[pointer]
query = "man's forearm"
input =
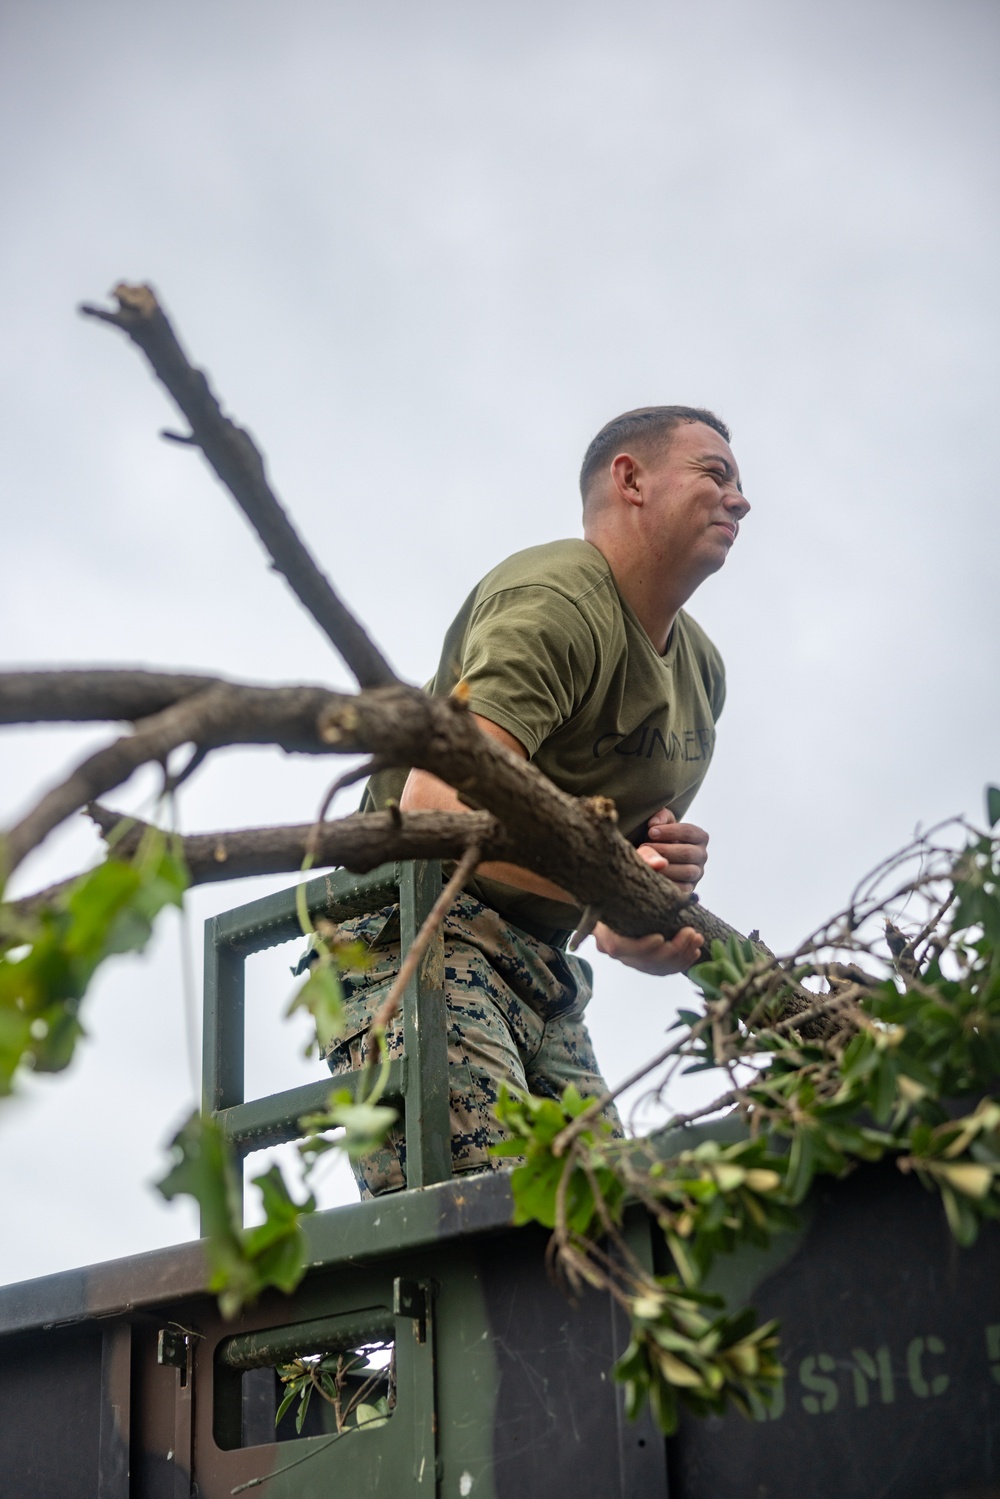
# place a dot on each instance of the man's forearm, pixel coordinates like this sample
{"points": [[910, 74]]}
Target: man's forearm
{"points": [[425, 793]]}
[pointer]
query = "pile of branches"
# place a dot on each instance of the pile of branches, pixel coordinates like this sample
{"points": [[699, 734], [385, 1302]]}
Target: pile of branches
{"points": [[896, 1058]]}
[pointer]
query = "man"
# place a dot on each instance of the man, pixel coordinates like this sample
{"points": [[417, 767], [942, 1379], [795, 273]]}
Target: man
{"points": [[577, 655]]}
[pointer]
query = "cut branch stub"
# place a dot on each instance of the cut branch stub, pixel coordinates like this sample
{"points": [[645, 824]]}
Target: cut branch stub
{"points": [[234, 456]]}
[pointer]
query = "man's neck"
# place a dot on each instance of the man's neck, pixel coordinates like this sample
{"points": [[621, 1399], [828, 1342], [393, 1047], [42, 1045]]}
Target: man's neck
{"points": [[654, 599]]}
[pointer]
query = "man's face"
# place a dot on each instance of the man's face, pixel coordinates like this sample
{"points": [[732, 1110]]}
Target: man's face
{"points": [[693, 499]]}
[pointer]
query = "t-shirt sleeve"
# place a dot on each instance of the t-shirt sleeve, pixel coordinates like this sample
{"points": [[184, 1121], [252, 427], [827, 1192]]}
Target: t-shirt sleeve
{"points": [[717, 686], [528, 660]]}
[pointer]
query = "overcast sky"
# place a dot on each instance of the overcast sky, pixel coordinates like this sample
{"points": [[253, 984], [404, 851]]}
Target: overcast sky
{"points": [[425, 251]]}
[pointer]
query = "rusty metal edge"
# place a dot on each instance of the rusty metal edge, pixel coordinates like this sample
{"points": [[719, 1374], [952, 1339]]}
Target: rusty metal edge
{"points": [[363, 1231]]}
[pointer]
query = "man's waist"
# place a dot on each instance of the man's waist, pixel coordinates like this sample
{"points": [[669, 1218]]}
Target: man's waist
{"points": [[549, 921]]}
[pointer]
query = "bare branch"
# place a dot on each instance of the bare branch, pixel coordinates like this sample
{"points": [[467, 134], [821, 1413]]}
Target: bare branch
{"points": [[220, 715], [232, 453], [349, 778], [387, 1010], [724, 1101], [576, 1126], [575, 843], [93, 695], [359, 842]]}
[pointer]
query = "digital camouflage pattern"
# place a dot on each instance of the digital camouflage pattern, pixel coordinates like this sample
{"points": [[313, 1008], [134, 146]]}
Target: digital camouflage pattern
{"points": [[515, 1016]]}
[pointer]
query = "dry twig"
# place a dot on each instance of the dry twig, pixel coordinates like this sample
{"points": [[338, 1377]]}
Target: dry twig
{"points": [[389, 1007]]}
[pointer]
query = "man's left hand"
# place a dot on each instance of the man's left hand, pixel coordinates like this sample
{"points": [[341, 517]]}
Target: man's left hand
{"points": [[655, 955]]}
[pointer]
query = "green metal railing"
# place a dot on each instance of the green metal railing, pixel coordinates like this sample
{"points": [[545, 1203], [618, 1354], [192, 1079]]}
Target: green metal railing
{"points": [[418, 1081]]}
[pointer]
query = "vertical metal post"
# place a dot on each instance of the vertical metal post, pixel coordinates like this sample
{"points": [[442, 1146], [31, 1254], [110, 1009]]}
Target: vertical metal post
{"points": [[114, 1437], [425, 1034], [222, 1077], [222, 1042], [183, 1424]]}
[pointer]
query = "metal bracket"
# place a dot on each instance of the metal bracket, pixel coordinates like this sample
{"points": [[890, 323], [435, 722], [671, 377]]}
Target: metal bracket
{"points": [[172, 1348], [410, 1299]]}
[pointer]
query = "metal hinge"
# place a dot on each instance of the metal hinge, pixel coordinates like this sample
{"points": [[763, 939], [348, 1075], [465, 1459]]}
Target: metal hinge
{"points": [[172, 1349], [410, 1299]]}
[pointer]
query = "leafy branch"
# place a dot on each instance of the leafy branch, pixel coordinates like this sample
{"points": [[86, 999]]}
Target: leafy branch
{"points": [[48, 956], [241, 1261], [343, 1381], [902, 1067]]}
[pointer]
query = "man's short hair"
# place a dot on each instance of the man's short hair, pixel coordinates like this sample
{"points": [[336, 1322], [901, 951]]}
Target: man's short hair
{"points": [[650, 426]]}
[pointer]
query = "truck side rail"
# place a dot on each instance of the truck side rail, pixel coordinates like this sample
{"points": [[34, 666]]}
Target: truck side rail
{"points": [[418, 1081]]}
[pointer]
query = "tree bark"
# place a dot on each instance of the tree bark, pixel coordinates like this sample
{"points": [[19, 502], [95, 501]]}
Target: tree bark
{"points": [[237, 461], [359, 843], [572, 842], [93, 695]]}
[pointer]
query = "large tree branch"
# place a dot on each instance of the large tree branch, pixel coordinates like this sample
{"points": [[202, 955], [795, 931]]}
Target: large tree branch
{"points": [[237, 461], [220, 715], [572, 842], [359, 842]]}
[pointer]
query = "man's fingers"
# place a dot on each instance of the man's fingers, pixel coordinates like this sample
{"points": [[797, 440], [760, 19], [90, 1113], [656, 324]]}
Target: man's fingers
{"points": [[653, 857], [652, 954], [688, 945], [659, 855], [684, 847], [684, 864], [614, 944], [677, 832], [682, 853]]}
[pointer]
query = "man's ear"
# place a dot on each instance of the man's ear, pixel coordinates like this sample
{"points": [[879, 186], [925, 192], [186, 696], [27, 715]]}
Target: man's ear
{"points": [[625, 471]]}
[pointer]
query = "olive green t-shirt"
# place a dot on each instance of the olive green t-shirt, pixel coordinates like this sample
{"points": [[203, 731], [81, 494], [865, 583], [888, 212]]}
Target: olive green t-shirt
{"points": [[550, 651]]}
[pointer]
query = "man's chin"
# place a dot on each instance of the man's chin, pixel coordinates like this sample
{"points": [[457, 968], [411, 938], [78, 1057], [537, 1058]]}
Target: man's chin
{"points": [[717, 558]]}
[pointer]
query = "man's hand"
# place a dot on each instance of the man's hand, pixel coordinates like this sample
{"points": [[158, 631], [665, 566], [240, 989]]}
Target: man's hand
{"points": [[681, 858], [683, 846]]}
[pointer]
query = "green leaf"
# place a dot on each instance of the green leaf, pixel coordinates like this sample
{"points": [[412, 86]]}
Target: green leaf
{"points": [[993, 805], [242, 1262], [109, 910], [365, 1126], [286, 1401], [369, 1416], [300, 1415], [323, 997]]}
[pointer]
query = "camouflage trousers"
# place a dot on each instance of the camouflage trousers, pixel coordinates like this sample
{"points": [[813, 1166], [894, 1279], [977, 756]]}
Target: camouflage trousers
{"points": [[515, 1016]]}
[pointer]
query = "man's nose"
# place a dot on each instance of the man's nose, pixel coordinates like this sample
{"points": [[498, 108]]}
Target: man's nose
{"points": [[736, 503]]}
